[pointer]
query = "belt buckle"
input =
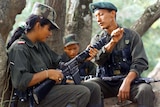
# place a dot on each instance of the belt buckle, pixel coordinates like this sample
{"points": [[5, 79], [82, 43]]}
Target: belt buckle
{"points": [[116, 72]]}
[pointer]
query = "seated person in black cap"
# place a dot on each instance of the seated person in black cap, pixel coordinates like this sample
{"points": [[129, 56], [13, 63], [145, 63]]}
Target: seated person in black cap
{"points": [[123, 55], [71, 49]]}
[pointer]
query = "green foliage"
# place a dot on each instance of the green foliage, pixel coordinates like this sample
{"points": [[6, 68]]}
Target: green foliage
{"points": [[128, 12]]}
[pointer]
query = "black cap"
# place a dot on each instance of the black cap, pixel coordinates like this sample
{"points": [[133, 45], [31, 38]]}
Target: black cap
{"points": [[102, 5]]}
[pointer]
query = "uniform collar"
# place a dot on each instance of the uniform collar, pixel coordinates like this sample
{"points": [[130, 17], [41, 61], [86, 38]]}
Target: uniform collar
{"points": [[29, 42], [66, 57]]}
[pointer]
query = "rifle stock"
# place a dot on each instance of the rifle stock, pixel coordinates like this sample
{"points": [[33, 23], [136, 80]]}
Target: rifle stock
{"points": [[42, 90]]}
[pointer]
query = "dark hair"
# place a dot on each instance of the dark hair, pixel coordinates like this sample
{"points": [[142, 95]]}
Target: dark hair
{"points": [[110, 10], [30, 23]]}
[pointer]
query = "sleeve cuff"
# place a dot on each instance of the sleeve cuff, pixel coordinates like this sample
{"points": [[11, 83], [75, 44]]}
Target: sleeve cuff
{"points": [[134, 70], [26, 78]]}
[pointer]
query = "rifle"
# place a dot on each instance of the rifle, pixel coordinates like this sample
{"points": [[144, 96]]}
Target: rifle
{"points": [[136, 81], [68, 68], [113, 78], [145, 80]]}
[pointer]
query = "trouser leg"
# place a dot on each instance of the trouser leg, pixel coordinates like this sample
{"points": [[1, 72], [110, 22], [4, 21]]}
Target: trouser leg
{"points": [[107, 90], [142, 94], [67, 96], [87, 94], [95, 99]]}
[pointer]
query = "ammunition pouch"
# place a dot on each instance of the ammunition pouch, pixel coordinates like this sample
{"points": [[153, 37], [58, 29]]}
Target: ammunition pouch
{"points": [[22, 96], [119, 63]]}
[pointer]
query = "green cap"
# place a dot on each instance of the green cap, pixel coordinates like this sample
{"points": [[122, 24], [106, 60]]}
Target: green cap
{"points": [[102, 5], [70, 39], [45, 11]]}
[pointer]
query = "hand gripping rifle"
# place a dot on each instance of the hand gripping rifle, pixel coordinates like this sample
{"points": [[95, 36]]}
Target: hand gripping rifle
{"points": [[68, 68]]}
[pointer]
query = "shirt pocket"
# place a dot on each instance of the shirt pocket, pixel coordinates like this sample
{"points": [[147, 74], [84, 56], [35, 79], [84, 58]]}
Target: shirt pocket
{"points": [[39, 67]]}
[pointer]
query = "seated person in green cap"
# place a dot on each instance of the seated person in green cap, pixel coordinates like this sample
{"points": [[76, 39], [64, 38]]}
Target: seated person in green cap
{"points": [[32, 62], [123, 55], [71, 49]]}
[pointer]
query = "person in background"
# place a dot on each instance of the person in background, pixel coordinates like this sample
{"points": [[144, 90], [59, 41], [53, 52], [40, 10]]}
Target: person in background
{"points": [[72, 49], [123, 55], [32, 62]]}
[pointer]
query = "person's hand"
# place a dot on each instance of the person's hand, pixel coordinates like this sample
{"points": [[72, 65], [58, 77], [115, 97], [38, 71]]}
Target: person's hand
{"points": [[117, 34], [69, 81], [92, 53], [55, 75], [124, 91]]}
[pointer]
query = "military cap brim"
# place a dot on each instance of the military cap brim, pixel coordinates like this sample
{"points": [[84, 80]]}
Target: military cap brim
{"points": [[71, 43], [54, 25], [102, 5]]}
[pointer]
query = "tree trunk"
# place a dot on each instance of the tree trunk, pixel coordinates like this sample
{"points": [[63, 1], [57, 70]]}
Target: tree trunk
{"points": [[8, 11], [55, 41], [3, 64], [151, 14], [79, 21]]}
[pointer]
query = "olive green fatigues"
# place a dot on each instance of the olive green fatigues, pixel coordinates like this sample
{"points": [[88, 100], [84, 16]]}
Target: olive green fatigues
{"points": [[27, 58], [140, 93]]}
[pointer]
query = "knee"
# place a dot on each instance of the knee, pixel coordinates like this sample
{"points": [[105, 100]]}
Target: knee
{"points": [[85, 92], [79, 97], [146, 89], [86, 95], [92, 86], [145, 95]]}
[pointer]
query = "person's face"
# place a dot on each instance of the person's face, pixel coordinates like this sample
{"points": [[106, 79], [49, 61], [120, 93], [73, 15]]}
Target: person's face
{"points": [[105, 18], [72, 50], [44, 32]]}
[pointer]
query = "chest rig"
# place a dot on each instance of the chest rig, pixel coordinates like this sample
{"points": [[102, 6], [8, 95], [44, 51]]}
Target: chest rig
{"points": [[119, 61]]}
